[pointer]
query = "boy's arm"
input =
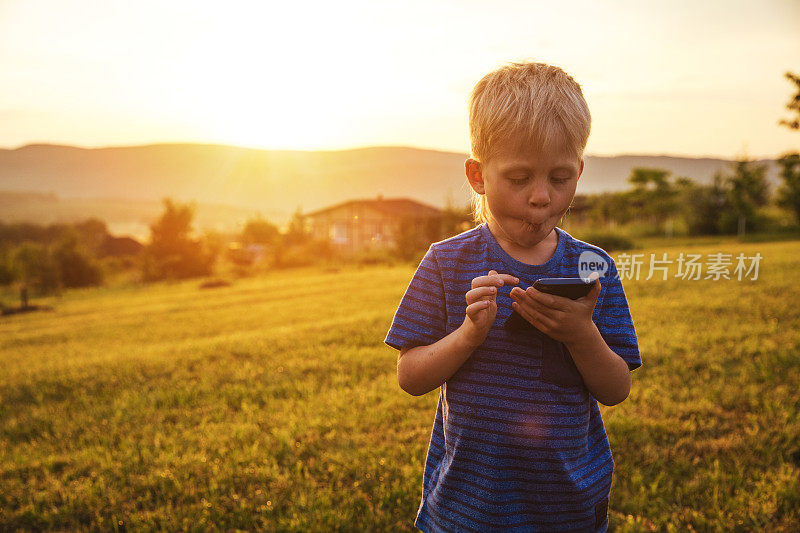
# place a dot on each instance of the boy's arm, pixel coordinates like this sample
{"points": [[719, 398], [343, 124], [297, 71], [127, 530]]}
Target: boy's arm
{"points": [[606, 369], [605, 373], [423, 368]]}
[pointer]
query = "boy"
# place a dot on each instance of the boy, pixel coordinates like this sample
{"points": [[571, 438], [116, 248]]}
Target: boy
{"points": [[518, 443]]}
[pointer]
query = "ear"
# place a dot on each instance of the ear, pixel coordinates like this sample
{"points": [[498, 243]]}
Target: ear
{"points": [[580, 171], [474, 175]]}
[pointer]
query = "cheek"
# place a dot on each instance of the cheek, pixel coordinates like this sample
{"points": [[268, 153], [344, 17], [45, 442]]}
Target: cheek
{"points": [[562, 199], [507, 204], [497, 198], [563, 206]]}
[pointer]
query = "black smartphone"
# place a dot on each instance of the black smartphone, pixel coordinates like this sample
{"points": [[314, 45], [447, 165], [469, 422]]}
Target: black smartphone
{"points": [[572, 288]]}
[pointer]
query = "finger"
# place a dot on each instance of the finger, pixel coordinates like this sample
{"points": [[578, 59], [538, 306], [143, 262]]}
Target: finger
{"points": [[532, 315], [523, 302], [527, 314], [480, 293], [556, 303], [508, 278], [535, 297], [519, 295], [493, 278], [544, 314], [474, 309]]}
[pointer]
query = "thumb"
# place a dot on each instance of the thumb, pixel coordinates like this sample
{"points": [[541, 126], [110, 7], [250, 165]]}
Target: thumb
{"points": [[595, 292]]}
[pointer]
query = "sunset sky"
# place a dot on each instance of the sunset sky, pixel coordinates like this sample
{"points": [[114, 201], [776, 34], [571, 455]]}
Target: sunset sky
{"points": [[680, 78]]}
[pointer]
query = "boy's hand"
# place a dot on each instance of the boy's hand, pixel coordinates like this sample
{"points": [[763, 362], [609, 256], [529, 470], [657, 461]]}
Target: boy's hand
{"points": [[482, 305], [559, 317]]}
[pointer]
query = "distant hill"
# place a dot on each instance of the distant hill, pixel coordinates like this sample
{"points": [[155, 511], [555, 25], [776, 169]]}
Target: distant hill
{"points": [[239, 181], [122, 216]]}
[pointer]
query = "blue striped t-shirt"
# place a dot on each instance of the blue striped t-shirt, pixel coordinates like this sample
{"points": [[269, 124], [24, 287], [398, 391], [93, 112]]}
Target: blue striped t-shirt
{"points": [[518, 443]]}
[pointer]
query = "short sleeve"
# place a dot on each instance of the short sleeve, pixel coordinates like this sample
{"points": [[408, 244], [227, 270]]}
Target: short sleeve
{"points": [[614, 319], [421, 317]]}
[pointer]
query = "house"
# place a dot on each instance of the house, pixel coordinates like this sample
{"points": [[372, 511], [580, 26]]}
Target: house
{"points": [[119, 246], [379, 223]]}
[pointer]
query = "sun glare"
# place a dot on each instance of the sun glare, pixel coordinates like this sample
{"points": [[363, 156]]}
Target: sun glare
{"points": [[274, 86], [338, 75]]}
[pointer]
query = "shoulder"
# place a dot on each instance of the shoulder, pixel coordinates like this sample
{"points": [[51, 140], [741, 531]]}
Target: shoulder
{"points": [[464, 240], [586, 252], [460, 256], [584, 246]]}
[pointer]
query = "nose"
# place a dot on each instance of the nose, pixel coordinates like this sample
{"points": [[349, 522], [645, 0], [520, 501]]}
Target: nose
{"points": [[538, 196]]}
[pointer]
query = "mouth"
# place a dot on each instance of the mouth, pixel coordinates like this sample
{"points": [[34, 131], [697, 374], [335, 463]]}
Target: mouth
{"points": [[533, 226]]}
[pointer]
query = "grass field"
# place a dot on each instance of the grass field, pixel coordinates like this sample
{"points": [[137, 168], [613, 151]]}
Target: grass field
{"points": [[273, 404]]}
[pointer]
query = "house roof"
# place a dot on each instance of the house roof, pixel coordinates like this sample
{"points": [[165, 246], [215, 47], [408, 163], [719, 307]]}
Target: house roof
{"points": [[393, 207]]}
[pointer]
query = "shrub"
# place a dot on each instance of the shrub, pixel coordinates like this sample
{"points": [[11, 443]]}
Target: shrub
{"points": [[308, 253], [171, 253], [608, 241], [76, 267], [7, 271], [37, 268]]}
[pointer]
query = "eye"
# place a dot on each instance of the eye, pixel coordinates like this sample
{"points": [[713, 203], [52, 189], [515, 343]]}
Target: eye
{"points": [[518, 181], [560, 179]]}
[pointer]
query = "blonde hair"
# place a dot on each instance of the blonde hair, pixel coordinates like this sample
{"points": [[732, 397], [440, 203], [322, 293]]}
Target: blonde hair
{"points": [[525, 104]]}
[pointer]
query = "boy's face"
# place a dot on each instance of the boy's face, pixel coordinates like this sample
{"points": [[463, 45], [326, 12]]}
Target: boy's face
{"points": [[527, 191]]}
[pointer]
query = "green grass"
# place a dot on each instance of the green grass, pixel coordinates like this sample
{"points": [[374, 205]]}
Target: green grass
{"points": [[273, 404]]}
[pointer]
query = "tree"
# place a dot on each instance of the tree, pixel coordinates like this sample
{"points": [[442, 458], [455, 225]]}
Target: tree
{"points": [[36, 267], [654, 193], [704, 205], [788, 195], [747, 190], [296, 233], [93, 232], [453, 219], [611, 208], [172, 253], [260, 231], [76, 267], [794, 104], [267, 240], [8, 271], [415, 235]]}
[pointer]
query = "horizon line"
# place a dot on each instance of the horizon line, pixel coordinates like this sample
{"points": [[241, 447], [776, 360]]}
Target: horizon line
{"points": [[363, 147]]}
